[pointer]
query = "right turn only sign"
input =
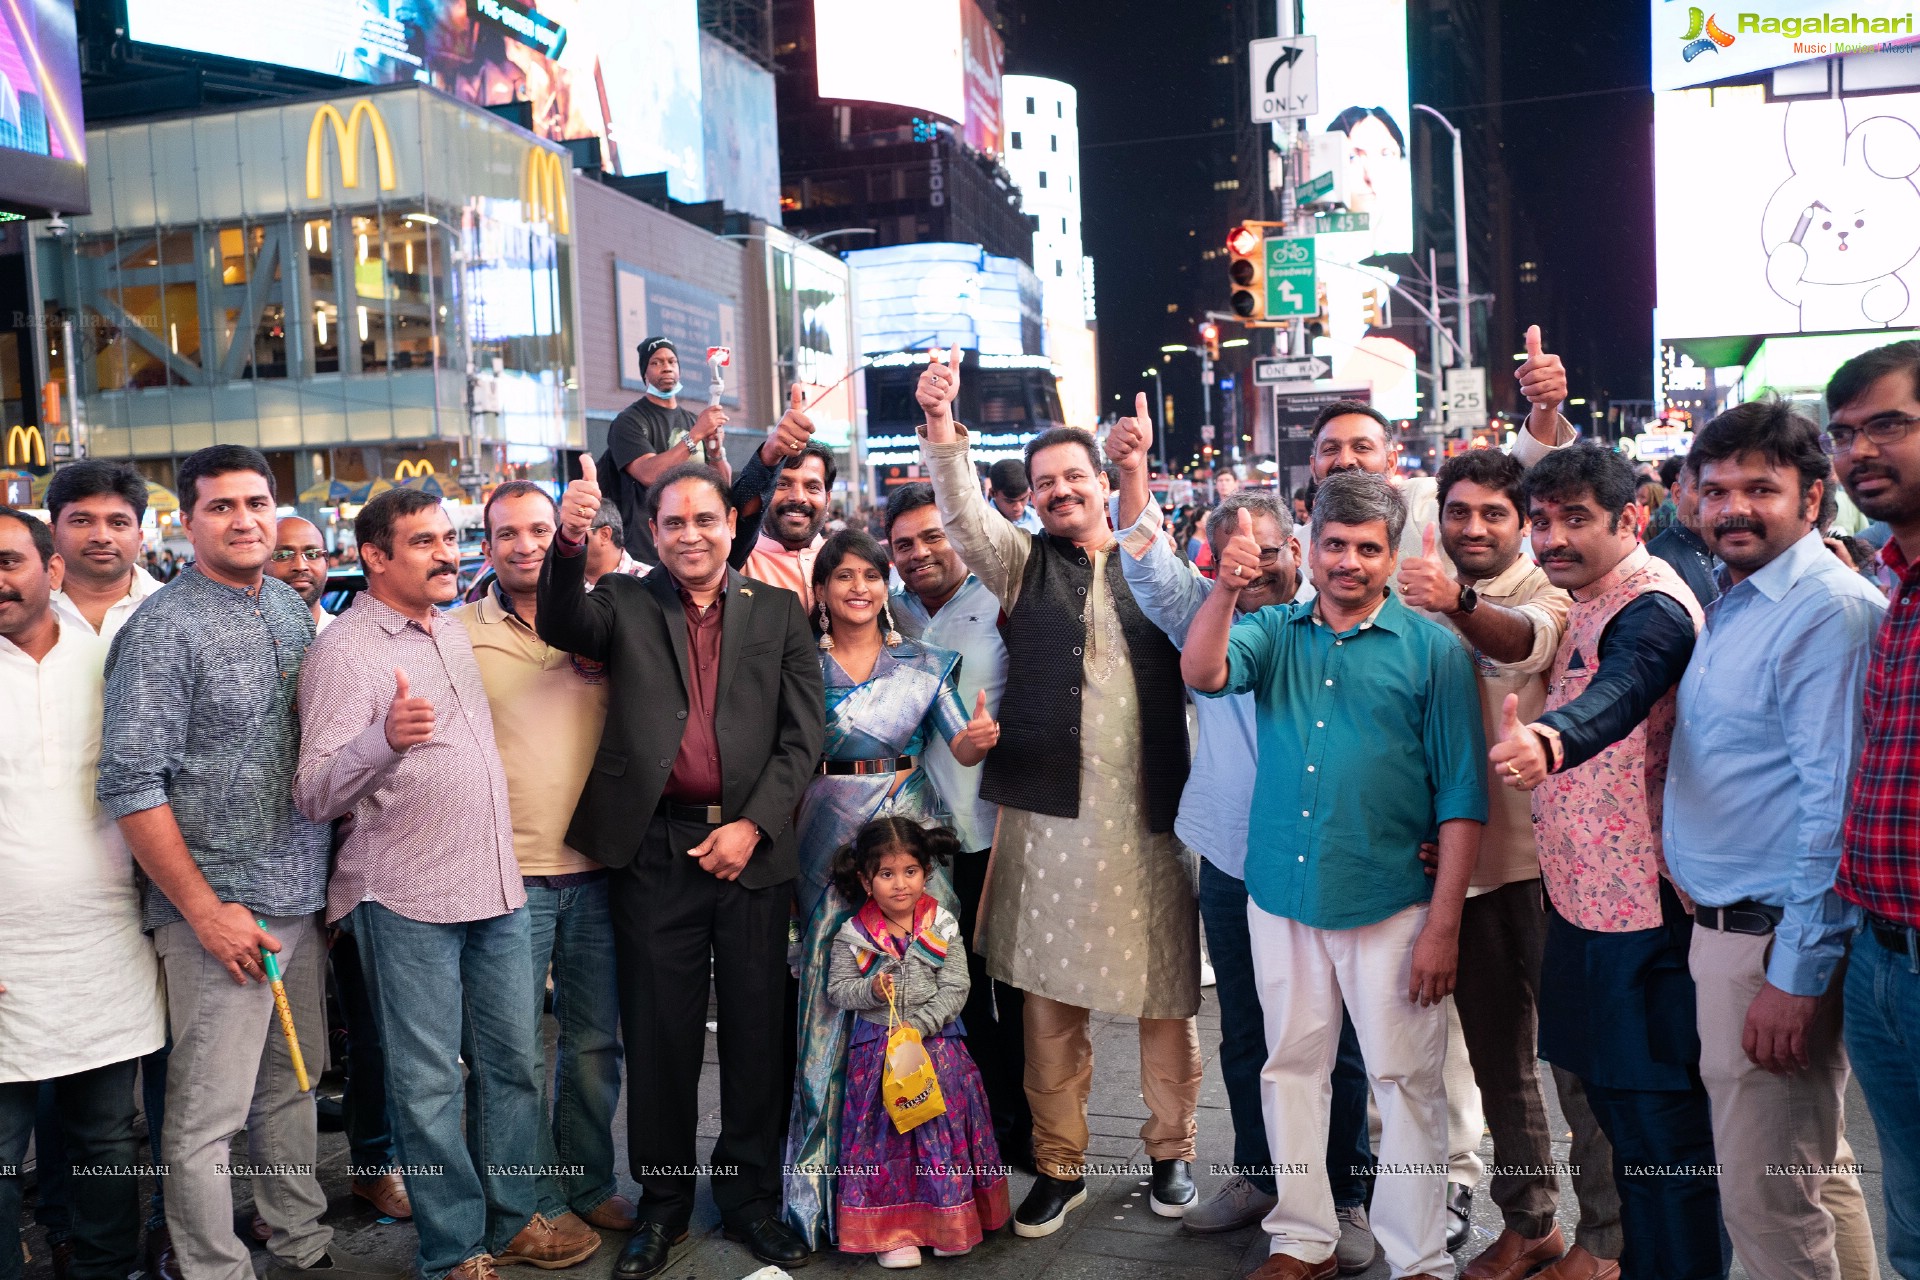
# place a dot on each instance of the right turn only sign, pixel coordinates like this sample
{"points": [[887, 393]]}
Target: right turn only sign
{"points": [[1285, 78]]}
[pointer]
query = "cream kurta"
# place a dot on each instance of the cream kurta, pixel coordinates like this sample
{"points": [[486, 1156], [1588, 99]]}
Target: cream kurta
{"points": [[83, 987], [1093, 911]]}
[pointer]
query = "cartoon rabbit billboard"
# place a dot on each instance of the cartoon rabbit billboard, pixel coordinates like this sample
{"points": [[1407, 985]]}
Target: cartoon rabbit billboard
{"points": [[1846, 220]]}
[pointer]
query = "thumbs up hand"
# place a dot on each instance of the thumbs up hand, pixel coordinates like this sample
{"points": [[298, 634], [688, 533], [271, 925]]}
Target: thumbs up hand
{"points": [[939, 385], [581, 502], [1424, 580], [1130, 442], [1519, 759], [1239, 565], [971, 744], [409, 719], [791, 434], [1543, 381]]}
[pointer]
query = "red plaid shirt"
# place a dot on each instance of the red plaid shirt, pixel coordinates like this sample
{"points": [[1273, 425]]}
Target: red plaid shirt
{"points": [[1880, 864]]}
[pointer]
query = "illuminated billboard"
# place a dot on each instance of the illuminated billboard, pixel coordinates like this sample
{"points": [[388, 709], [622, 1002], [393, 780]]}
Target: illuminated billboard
{"points": [[1364, 96], [985, 58], [742, 131], [624, 71], [1694, 44], [1778, 217], [913, 296], [908, 53], [43, 143]]}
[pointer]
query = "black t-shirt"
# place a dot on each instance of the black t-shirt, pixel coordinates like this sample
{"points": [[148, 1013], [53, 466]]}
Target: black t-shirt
{"points": [[642, 428]]}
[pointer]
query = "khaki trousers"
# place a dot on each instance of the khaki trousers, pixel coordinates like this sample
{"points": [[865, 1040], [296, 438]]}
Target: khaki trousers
{"points": [[1773, 1135], [1059, 1076]]}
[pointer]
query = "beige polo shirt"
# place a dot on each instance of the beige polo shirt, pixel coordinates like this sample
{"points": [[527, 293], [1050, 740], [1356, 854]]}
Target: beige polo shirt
{"points": [[548, 710], [1507, 851]]}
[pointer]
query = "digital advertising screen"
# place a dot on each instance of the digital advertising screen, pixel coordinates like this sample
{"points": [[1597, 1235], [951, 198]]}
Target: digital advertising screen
{"points": [[1785, 217], [742, 131], [1364, 96], [43, 140], [908, 53], [1697, 44], [625, 71], [985, 55]]}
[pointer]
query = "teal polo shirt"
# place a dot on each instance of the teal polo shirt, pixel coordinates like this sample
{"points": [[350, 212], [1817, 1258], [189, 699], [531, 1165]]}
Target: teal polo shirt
{"points": [[1369, 738]]}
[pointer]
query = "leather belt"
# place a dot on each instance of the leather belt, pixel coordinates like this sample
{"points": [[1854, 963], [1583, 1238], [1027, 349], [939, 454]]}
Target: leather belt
{"points": [[1742, 917], [1901, 939], [708, 814], [890, 764]]}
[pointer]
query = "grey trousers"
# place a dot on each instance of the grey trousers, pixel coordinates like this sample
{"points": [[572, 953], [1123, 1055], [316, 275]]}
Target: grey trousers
{"points": [[231, 1070], [1502, 933]]}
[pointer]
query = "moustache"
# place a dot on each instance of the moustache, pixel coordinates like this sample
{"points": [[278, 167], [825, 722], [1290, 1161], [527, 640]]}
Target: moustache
{"points": [[11, 597], [1059, 504], [445, 571], [1734, 524], [794, 509], [1862, 470], [1561, 557]]}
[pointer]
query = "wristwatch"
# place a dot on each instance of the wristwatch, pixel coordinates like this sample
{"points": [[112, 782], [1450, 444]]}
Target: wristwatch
{"points": [[1469, 601]]}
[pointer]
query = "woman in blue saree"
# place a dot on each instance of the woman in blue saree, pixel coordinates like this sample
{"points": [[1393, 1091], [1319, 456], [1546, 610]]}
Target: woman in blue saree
{"points": [[886, 698]]}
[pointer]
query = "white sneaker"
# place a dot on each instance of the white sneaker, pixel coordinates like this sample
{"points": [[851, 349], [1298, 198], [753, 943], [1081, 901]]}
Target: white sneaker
{"points": [[1355, 1251], [901, 1259], [951, 1253]]}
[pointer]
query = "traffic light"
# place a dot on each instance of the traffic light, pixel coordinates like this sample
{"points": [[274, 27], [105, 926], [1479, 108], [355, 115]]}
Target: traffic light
{"points": [[1245, 245], [1210, 339], [1374, 308]]}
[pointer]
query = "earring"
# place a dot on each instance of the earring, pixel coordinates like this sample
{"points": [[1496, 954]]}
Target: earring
{"points": [[893, 638], [826, 629]]}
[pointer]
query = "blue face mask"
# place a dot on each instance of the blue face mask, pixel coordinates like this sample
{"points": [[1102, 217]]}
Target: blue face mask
{"points": [[667, 394]]}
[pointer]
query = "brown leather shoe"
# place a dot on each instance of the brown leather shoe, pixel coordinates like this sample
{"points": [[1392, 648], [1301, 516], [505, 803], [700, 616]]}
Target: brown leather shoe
{"points": [[160, 1259], [478, 1267], [1578, 1264], [1512, 1256], [1284, 1266], [259, 1229], [615, 1213], [550, 1243], [387, 1193]]}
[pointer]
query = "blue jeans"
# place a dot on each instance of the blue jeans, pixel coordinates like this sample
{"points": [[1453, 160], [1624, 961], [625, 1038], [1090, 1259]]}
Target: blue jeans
{"points": [[1883, 1039], [52, 1207], [369, 1130], [573, 933], [444, 992], [1243, 1052]]}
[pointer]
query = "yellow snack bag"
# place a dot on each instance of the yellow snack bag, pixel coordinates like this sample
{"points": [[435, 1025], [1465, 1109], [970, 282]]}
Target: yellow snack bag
{"points": [[908, 1085]]}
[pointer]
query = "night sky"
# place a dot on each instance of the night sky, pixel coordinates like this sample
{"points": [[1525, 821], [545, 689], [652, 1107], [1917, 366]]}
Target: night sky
{"points": [[1579, 156]]}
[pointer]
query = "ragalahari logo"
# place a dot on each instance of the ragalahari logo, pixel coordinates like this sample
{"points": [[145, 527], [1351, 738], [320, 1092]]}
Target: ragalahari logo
{"points": [[1703, 35]]}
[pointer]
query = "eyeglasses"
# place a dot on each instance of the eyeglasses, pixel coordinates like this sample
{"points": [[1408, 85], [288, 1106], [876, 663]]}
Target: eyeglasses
{"points": [[1890, 428], [283, 554]]}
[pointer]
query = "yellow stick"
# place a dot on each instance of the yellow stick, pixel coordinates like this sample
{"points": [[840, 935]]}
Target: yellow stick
{"points": [[271, 963]]}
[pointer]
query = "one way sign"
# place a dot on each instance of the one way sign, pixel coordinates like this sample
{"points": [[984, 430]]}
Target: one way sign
{"points": [[1285, 79]]}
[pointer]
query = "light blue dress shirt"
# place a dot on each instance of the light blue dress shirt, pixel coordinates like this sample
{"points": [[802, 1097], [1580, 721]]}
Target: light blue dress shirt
{"points": [[1213, 809], [1768, 736], [969, 624]]}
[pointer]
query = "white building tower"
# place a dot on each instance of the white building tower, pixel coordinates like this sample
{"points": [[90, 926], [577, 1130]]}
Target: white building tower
{"points": [[1042, 152]]}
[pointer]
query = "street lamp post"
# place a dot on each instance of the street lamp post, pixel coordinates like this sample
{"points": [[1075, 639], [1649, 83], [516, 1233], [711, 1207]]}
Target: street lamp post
{"points": [[1461, 273]]}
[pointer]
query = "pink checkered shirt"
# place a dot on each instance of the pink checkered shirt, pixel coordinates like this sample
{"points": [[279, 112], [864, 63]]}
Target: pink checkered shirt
{"points": [[427, 835]]}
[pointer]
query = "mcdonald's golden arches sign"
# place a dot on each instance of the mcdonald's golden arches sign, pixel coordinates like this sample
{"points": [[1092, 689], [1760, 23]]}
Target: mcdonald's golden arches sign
{"points": [[346, 135], [545, 189], [26, 447], [412, 468]]}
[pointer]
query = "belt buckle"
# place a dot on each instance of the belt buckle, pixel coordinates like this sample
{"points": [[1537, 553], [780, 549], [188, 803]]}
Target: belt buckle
{"points": [[714, 816]]}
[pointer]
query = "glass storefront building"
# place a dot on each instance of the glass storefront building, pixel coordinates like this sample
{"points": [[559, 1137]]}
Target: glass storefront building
{"points": [[354, 284]]}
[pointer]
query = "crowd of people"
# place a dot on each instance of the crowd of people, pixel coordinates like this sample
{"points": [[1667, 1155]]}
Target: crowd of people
{"points": [[1477, 779]]}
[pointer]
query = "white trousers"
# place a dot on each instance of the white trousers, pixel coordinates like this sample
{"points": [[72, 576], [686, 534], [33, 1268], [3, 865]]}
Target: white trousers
{"points": [[1304, 974]]}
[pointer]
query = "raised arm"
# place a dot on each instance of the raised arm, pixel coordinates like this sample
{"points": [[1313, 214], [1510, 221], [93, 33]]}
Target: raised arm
{"points": [[1543, 381], [1168, 589], [571, 618], [1204, 663], [753, 487], [991, 545]]}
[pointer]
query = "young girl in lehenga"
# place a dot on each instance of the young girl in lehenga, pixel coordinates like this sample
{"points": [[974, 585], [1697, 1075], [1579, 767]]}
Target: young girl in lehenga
{"points": [[940, 1184]]}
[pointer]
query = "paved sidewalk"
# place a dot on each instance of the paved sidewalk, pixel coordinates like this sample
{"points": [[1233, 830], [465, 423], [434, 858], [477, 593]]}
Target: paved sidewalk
{"points": [[1115, 1236]]}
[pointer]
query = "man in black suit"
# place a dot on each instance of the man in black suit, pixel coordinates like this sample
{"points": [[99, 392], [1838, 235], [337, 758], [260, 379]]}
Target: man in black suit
{"points": [[716, 719]]}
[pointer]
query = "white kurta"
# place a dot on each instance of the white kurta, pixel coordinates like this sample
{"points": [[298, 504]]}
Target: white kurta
{"points": [[82, 985]]}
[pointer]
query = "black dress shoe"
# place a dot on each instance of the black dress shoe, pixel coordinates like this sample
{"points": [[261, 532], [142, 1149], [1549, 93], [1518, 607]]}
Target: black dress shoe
{"points": [[1047, 1205], [773, 1242], [1459, 1214], [1173, 1191], [646, 1252]]}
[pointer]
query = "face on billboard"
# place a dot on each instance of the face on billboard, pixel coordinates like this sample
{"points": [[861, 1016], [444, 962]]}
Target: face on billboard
{"points": [[1777, 217], [1693, 44], [1364, 96], [626, 72], [904, 52]]}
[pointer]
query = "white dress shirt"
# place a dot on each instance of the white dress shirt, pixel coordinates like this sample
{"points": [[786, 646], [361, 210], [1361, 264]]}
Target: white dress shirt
{"points": [[144, 584], [83, 986]]}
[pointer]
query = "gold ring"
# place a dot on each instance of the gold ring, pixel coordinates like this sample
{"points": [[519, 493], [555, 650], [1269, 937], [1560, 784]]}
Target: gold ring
{"points": [[1238, 572], [1513, 769]]}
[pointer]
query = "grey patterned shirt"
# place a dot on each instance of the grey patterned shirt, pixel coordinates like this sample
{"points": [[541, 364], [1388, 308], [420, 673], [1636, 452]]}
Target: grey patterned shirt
{"points": [[200, 715]]}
